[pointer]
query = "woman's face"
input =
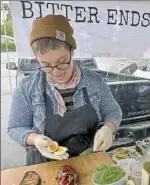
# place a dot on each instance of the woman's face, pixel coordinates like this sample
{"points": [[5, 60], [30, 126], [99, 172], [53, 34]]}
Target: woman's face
{"points": [[57, 64]]}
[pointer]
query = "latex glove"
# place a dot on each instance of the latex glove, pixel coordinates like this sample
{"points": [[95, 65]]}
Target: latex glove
{"points": [[103, 139], [42, 142]]}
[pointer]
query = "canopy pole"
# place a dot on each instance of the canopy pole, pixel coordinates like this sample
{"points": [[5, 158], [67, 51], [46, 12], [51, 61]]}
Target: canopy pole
{"points": [[5, 30]]}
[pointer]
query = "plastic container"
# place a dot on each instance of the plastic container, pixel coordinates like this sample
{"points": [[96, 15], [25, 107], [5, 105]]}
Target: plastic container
{"points": [[122, 181], [146, 166], [136, 172]]}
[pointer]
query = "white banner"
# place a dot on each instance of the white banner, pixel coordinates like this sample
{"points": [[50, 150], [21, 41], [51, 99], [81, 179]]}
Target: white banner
{"points": [[102, 28]]}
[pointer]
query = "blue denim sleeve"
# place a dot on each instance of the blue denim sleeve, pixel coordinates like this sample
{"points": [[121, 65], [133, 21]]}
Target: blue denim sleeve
{"points": [[109, 107], [20, 120]]}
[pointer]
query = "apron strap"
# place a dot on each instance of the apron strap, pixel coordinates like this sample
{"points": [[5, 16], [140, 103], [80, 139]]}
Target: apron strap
{"points": [[86, 96]]}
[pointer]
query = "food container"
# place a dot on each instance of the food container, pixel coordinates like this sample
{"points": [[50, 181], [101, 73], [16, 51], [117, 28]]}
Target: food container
{"points": [[122, 181], [136, 172]]}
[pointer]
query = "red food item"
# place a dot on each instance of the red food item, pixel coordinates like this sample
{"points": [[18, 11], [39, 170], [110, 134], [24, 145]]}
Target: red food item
{"points": [[66, 176]]}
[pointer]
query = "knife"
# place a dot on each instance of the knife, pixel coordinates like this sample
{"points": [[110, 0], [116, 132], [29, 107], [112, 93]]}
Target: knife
{"points": [[88, 151]]}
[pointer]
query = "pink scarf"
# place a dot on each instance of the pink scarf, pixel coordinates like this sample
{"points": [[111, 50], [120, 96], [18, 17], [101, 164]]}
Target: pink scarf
{"points": [[71, 84]]}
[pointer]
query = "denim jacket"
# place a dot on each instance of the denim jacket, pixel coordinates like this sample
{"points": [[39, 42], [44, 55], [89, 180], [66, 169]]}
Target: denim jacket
{"points": [[27, 112]]}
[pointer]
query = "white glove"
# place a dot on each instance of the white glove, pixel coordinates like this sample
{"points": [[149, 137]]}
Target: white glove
{"points": [[103, 139], [42, 142]]}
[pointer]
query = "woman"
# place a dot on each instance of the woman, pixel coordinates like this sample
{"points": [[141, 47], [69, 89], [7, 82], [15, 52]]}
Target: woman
{"points": [[60, 101]]}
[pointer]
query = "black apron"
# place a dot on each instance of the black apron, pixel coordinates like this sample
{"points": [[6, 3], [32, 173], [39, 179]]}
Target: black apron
{"points": [[75, 130]]}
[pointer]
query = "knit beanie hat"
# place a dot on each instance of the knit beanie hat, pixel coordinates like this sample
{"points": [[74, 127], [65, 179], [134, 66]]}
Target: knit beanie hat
{"points": [[52, 26]]}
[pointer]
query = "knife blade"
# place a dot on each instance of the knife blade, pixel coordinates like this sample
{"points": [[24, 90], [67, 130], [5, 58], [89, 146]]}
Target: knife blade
{"points": [[88, 151]]}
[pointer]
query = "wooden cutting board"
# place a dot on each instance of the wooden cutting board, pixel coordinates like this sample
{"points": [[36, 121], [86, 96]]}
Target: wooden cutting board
{"points": [[84, 165]]}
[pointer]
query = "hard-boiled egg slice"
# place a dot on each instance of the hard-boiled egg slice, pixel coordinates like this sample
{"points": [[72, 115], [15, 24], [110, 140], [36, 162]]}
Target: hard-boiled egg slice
{"points": [[61, 150], [53, 146]]}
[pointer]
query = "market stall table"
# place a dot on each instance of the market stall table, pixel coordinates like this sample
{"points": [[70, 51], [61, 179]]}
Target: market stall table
{"points": [[84, 165]]}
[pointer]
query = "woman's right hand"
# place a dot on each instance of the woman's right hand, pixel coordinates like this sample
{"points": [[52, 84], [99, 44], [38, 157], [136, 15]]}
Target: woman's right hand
{"points": [[42, 142]]}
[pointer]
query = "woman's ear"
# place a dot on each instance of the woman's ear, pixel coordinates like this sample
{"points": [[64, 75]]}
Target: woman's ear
{"points": [[72, 52], [38, 62], [36, 58]]}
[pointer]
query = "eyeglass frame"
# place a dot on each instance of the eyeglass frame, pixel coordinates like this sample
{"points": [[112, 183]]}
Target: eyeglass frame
{"points": [[52, 67]]}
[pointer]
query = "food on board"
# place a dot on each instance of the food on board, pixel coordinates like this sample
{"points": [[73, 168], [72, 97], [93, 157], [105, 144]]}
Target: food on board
{"points": [[66, 176], [31, 178]]}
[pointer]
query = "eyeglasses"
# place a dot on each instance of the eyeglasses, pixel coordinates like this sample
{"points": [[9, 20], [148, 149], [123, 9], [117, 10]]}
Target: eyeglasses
{"points": [[62, 66], [59, 67]]}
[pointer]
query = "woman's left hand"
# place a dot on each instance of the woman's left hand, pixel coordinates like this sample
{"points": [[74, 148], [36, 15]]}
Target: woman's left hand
{"points": [[103, 139]]}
